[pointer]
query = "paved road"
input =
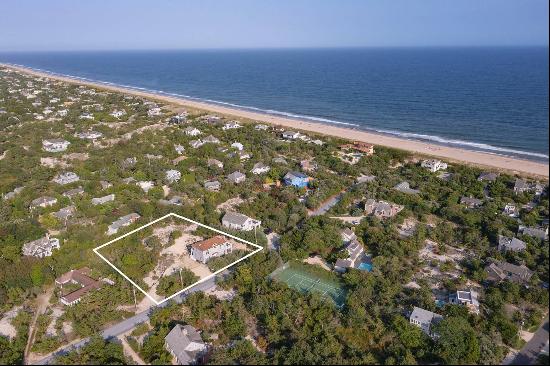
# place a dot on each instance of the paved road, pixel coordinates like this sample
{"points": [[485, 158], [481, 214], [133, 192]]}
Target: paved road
{"points": [[128, 324], [530, 352], [327, 205]]}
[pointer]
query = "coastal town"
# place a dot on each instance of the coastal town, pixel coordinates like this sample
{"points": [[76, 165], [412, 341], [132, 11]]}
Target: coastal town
{"points": [[369, 254]]}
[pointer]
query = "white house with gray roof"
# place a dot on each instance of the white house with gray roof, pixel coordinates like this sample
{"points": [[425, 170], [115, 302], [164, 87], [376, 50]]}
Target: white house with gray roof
{"points": [[468, 298], [64, 213], [55, 145], [73, 192], [433, 165], [185, 344], [260, 168], [356, 254], [126, 220], [43, 202], [231, 125], [211, 140], [425, 320], [291, 135], [66, 178], [405, 187], [89, 135], [173, 175], [238, 221], [236, 177], [192, 131], [195, 144], [214, 162], [212, 185], [101, 200], [510, 210], [12, 194], [40, 248]]}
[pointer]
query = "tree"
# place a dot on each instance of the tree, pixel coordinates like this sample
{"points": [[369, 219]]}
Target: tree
{"points": [[457, 342], [97, 352]]}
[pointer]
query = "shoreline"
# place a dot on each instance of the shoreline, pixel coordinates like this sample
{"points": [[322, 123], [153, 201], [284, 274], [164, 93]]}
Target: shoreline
{"points": [[452, 154]]}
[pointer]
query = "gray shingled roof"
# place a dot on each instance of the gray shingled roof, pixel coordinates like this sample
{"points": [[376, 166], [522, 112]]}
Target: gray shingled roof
{"points": [[425, 316], [179, 339], [235, 218]]}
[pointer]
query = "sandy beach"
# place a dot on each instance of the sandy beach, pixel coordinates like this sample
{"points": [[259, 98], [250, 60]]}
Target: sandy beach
{"points": [[451, 154]]}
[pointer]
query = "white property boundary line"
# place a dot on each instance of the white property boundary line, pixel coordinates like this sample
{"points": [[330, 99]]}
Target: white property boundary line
{"points": [[96, 251]]}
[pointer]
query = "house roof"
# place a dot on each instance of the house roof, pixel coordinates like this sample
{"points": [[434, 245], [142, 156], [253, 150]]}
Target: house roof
{"points": [[489, 176], [73, 192], [235, 175], [511, 243], [80, 276], [470, 296], [178, 340], [347, 232], [343, 263], [503, 269], [471, 201], [209, 243], [259, 166], [425, 316], [521, 184], [55, 141], [235, 218], [535, 232]]}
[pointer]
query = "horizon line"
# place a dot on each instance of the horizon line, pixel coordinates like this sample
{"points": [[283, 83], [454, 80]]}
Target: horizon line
{"points": [[282, 48]]}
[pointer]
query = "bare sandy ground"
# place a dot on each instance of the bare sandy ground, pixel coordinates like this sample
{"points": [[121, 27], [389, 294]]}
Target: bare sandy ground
{"points": [[6, 328], [317, 260], [230, 204], [512, 165], [174, 257]]}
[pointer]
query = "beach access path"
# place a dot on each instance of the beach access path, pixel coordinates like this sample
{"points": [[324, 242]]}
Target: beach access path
{"points": [[451, 154]]}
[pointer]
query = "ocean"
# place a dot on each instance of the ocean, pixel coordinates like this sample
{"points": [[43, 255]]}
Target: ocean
{"points": [[487, 99]]}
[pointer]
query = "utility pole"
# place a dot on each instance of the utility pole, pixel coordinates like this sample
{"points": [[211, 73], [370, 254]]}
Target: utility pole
{"points": [[135, 300], [181, 279]]}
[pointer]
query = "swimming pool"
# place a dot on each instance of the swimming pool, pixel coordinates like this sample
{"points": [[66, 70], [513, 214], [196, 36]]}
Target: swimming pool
{"points": [[365, 266]]}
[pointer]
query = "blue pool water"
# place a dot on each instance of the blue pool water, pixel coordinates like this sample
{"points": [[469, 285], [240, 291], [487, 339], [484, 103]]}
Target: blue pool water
{"points": [[365, 267]]}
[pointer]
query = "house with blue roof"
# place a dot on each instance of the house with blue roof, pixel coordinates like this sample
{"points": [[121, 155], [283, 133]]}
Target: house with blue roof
{"points": [[296, 179]]}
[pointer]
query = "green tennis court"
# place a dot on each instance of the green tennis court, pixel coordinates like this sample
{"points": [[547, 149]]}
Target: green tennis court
{"points": [[300, 280]]}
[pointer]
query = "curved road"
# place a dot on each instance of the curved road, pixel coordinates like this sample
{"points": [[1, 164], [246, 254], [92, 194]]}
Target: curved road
{"points": [[130, 323], [530, 352]]}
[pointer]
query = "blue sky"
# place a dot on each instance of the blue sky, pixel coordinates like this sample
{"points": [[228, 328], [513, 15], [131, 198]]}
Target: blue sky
{"points": [[162, 24]]}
